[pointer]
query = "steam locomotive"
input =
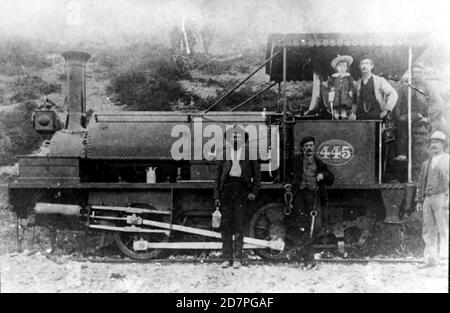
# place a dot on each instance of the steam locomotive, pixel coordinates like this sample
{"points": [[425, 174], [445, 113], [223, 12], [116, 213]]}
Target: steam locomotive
{"points": [[122, 173]]}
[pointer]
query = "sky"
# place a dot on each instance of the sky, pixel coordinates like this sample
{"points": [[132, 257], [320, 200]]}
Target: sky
{"points": [[243, 22]]}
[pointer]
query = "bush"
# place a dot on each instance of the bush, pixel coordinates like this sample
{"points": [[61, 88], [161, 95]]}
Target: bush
{"points": [[145, 77], [138, 93], [17, 131], [245, 62], [150, 83], [16, 55], [29, 87]]}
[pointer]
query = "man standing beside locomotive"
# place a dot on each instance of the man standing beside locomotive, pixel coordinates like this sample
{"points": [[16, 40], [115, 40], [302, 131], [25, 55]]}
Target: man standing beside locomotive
{"points": [[375, 97], [309, 177], [432, 199], [238, 180], [427, 108]]}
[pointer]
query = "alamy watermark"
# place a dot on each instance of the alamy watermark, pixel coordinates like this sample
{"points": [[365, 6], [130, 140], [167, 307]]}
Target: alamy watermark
{"points": [[218, 141]]}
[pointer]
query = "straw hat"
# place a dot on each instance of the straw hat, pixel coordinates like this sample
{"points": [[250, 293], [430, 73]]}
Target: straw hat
{"points": [[341, 58]]}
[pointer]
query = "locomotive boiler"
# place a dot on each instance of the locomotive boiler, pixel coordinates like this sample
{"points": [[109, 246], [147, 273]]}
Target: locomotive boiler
{"points": [[96, 174]]}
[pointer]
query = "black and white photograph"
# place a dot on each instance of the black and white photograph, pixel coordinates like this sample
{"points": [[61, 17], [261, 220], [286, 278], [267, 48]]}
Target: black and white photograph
{"points": [[224, 152]]}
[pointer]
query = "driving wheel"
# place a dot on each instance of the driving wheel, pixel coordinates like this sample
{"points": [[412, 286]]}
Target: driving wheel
{"points": [[268, 223]]}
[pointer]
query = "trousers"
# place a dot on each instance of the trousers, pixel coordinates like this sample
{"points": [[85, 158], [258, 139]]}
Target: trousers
{"points": [[304, 203], [435, 227], [234, 203]]}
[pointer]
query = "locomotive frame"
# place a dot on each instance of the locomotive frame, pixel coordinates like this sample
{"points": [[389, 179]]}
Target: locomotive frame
{"points": [[93, 176]]}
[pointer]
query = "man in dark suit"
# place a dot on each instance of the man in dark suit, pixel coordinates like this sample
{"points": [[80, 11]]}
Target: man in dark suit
{"points": [[238, 180], [308, 181]]}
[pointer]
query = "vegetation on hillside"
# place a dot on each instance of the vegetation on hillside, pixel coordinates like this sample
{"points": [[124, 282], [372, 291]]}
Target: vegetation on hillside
{"points": [[17, 135], [17, 56], [31, 87], [21, 85], [147, 77]]}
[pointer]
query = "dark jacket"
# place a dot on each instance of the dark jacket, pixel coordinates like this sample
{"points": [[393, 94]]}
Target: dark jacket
{"points": [[295, 177], [251, 174], [344, 91], [432, 107], [434, 180]]}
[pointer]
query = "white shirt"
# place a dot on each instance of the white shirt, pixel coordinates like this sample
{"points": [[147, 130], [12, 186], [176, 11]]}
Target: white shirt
{"points": [[435, 160], [235, 170]]}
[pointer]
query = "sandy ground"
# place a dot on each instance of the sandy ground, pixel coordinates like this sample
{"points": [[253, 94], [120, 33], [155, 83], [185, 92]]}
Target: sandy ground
{"points": [[37, 273]]}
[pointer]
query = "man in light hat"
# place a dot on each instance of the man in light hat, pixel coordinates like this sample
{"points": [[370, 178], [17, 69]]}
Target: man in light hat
{"points": [[341, 85], [432, 200], [375, 97]]}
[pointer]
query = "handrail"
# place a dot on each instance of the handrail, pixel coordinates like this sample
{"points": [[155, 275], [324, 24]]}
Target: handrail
{"points": [[253, 97], [241, 83]]}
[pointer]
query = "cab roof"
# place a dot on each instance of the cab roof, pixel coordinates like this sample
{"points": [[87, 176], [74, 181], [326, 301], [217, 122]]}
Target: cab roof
{"points": [[309, 52]]}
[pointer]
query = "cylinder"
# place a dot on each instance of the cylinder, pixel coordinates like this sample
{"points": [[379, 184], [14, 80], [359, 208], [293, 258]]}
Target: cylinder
{"points": [[75, 97], [56, 208]]}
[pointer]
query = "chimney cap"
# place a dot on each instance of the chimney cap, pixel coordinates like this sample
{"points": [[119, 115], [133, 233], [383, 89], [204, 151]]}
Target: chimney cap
{"points": [[76, 56]]}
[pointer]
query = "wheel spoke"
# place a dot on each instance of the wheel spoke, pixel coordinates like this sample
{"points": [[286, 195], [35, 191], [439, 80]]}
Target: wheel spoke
{"points": [[273, 216], [130, 240]]}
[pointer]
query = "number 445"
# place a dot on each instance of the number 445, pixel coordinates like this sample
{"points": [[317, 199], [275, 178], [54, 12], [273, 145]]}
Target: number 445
{"points": [[335, 152]]}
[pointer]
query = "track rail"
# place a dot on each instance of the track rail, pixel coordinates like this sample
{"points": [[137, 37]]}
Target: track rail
{"points": [[369, 261], [248, 261]]}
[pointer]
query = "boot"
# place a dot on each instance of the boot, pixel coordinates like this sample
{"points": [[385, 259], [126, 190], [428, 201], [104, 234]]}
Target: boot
{"points": [[237, 264], [427, 264]]}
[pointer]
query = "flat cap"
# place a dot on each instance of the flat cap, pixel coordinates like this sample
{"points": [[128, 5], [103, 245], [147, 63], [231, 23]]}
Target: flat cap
{"points": [[307, 139]]}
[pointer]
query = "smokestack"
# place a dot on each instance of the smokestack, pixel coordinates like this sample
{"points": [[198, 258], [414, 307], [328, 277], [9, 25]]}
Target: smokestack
{"points": [[75, 98]]}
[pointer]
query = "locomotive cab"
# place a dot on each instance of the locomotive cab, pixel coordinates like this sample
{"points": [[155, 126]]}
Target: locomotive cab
{"points": [[356, 151]]}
